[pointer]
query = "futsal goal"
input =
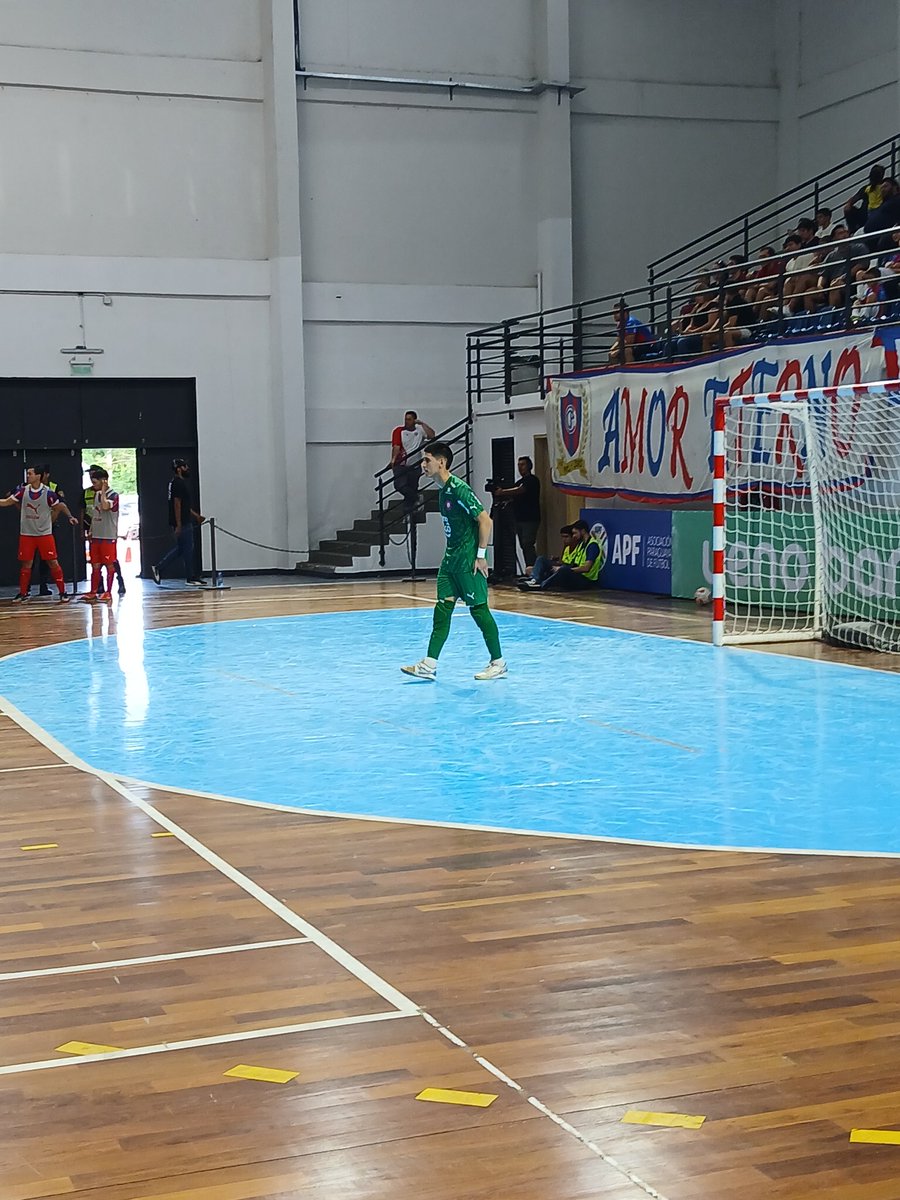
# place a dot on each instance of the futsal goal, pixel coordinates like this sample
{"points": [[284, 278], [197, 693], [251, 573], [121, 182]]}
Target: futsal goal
{"points": [[806, 516]]}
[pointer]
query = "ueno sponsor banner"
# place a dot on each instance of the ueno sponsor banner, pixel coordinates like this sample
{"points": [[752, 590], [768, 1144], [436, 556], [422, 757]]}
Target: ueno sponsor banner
{"points": [[774, 567], [644, 433]]}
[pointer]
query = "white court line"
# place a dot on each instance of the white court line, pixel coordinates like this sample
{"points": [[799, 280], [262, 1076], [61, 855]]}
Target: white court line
{"points": [[270, 806], [404, 1006], [44, 767], [245, 1035], [341, 956], [542, 1108], [155, 958]]}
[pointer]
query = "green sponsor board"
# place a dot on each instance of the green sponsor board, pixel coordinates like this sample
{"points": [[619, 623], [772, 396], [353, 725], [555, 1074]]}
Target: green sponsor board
{"points": [[770, 560], [691, 542]]}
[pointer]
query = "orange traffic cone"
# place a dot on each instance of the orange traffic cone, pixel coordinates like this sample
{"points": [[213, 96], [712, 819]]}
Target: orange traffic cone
{"points": [[128, 552]]}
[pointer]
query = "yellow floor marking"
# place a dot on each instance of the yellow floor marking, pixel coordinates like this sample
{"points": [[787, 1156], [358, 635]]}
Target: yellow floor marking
{"points": [[449, 1096], [265, 1074], [876, 1137], [43, 846], [86, 1048], [165, 834], [670, 1120]]}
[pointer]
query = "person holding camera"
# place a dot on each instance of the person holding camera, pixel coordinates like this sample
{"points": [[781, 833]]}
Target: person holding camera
{"points": [[406, 442], [525, 496]]}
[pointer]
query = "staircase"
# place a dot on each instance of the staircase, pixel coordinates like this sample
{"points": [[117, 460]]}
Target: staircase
{"points": [[350, 549]]}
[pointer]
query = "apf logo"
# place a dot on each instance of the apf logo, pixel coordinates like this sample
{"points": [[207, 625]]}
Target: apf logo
{"points": [[571, 421], [626, 549]]}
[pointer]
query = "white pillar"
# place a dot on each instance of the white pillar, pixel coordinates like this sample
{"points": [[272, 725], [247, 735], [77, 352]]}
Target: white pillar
{"points": [[787, 59], [286, 277], [553, 157]]}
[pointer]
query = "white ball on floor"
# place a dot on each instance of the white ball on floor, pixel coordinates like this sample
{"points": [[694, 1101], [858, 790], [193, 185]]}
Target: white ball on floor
{"points": [[702, 595]]}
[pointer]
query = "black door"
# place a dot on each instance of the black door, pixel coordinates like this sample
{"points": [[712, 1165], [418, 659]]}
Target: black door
{"points": [[12, 473], [154, 470], [503, 472]]}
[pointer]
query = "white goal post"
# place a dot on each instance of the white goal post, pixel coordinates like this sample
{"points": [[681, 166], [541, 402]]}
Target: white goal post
{"points": [[806, 516]]}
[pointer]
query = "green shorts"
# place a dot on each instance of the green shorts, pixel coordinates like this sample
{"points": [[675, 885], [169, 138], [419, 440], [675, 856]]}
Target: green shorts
{"points": [[457, 579]]}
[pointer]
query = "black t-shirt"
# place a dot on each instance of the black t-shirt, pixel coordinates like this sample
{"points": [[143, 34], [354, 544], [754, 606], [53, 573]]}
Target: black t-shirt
{"points": [[179, 490], [527, 506]]}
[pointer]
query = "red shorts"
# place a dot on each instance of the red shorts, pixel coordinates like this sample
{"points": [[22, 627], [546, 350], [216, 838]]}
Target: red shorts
{"points": [[45, 546], [103, 552]]}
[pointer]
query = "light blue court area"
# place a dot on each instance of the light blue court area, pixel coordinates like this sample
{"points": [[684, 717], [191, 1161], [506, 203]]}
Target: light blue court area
{"points": [[595, 731]]}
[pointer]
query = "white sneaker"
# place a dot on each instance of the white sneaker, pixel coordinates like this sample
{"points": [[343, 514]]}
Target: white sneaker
{"points": [[496, 669], [421, 670]]}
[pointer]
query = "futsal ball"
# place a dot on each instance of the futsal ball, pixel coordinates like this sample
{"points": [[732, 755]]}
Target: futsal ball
{"points": [[599, 534], [702, 595]]}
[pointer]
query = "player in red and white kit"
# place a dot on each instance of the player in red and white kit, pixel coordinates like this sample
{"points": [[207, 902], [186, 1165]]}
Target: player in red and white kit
{"points": [[104, 533], [37, 505]]}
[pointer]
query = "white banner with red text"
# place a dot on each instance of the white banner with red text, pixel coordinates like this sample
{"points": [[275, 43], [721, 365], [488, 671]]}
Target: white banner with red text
{"points": [[644, 432]]}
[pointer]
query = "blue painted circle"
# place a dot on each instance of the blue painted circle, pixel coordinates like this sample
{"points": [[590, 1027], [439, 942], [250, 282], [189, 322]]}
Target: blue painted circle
{"points": [[595, 732]]}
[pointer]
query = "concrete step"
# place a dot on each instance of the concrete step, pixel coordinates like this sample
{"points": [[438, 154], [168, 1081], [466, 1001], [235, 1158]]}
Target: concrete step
{"points": [[330, 559], [355, 547]]}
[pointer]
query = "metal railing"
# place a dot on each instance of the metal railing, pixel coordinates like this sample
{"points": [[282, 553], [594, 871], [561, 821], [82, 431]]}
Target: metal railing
{"points": [[393, 515], [781, 295], [516, 356], [770, 220]]}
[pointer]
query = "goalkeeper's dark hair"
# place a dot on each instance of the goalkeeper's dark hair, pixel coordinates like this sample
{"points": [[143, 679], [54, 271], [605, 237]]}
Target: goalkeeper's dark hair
{"points": [[440, 450]]}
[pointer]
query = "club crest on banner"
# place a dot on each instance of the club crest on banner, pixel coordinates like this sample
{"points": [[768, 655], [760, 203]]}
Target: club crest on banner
{"points": [[572, 428]]}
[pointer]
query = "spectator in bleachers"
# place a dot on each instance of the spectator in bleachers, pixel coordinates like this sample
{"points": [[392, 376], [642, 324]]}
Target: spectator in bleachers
{"points": [[637, 338], [739, 318], [696, 318], [799, 276], [870, 305], [885, 216], [833, 271], [824, 225], [763, 269], [806, 231], [865, 201]]}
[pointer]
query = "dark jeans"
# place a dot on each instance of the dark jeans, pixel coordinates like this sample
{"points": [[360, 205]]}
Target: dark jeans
{"points": [[565, 580], [542, 569], [526, 531], [406, 481], [184, 549]]}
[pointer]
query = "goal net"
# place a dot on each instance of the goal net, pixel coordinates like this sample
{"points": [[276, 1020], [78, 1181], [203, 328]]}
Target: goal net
{"points": [[806, 516]]}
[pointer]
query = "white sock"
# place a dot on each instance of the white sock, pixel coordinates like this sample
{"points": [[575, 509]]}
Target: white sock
{"points": [[430, 662]]}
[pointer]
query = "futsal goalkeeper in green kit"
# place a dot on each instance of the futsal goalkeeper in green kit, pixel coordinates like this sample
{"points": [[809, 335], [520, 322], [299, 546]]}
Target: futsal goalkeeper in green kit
{"points": [[463, 571]]}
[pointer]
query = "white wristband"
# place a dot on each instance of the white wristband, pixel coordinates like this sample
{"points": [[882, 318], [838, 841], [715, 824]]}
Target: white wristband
{"points": [[482, 553]]}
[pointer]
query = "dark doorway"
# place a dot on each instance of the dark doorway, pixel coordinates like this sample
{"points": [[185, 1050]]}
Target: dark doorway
{"points": [[53, 420], [503, 472], [154, 470]]}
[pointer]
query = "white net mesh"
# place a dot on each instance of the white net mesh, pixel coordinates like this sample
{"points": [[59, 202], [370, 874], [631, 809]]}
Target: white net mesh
{"points": [[812, 518]]}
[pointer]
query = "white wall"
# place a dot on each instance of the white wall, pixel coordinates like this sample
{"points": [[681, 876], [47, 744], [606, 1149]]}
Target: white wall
{"points": [[137, 160], [838, 71], [419, 220], [675, 131], [224, 29]]}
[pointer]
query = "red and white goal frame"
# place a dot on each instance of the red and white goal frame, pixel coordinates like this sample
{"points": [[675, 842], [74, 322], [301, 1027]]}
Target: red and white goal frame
{"points": [[845, 467]]}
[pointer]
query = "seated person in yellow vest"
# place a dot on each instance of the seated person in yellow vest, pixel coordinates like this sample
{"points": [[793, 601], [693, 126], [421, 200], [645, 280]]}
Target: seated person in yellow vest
{"points": [[87, 512], [582, 570], [544, 567], [36, 504]]}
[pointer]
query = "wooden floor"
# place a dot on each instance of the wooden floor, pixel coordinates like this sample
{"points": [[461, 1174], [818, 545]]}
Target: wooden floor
{"points": [[576, 981]]}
